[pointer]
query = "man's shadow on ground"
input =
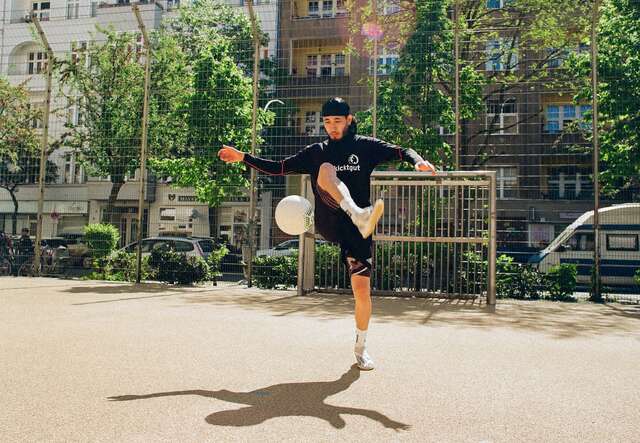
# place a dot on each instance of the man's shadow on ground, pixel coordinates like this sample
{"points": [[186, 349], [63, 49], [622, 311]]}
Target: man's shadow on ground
{"points": [[283, 400]]}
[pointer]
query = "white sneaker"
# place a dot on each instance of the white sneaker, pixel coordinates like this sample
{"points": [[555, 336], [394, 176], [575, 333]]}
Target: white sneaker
{"points": [[364, 361], [367, 220]]}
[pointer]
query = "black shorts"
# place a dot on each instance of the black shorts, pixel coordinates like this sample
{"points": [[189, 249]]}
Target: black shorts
{"points": [[336, 227]]}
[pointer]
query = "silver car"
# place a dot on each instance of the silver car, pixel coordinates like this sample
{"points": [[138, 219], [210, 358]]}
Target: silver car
{"points": [[190, 246]]}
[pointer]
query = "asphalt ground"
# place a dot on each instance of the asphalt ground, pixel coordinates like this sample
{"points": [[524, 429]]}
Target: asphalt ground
{"points": [[97, 361]]}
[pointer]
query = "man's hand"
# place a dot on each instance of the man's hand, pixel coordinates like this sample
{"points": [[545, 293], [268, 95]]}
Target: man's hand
{"points": [[425, 166], [230, 154]]}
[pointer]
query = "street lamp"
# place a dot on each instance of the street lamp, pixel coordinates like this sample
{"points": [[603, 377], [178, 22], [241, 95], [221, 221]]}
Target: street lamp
{"points": [[252, 211], [275, 100]]}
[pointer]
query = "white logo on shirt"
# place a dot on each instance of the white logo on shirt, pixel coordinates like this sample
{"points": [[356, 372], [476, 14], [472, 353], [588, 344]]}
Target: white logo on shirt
{"points": [[350, 168], [353, 159]]}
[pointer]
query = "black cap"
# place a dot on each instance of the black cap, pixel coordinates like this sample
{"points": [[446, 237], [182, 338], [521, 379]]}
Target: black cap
{"points": [[335, 106]]}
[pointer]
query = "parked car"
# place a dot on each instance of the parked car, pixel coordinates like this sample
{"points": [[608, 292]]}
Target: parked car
{"points": [[619, 245], [190, 246], [288, 247]]}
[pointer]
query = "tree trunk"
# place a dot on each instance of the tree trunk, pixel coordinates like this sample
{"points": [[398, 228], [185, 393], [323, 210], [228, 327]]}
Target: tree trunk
{"points": [[109, 215], [14, 217]]}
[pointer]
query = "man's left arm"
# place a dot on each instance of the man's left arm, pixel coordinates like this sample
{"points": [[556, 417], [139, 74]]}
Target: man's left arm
{"points": [[384, 152]]}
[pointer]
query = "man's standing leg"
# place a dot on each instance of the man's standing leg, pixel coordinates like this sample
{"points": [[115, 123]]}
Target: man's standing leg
{"points": [[361, 286]]}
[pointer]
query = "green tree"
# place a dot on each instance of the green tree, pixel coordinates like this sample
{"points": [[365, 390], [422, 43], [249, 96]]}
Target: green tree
{"points": [[618, 94], [19, 143], [107, 85], [16, 116], [217, 41], [518, 43], [416, 100]]}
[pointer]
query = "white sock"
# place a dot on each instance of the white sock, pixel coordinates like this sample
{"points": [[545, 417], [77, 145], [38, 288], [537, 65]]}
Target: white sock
{"points": [[347, 204], [361, 340]]}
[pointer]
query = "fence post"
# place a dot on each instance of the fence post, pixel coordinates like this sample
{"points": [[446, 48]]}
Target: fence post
{"points": [[143, 146], [491, 292], [596, 292], [457, 81], [252, 186], [44, 143], [306, 249], [374, 110]]}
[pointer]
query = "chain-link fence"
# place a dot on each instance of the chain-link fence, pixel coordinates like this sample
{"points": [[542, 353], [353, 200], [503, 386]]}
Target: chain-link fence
{"points": [[141, 97]]}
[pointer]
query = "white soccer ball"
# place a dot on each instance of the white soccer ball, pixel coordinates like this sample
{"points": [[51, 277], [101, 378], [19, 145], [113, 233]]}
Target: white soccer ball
{"points": [[294, 215]]}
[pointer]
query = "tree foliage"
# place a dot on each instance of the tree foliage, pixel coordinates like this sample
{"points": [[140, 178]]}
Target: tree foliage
{"points": [[618, 94], [216, 40], [19, 143], [502, 53]]}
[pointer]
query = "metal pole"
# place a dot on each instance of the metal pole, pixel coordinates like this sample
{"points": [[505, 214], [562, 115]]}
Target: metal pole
{"points": [[457, 81], [374, 112], [254, 117], [143, 146], [491, 293], [44, 143], [597, 293]]}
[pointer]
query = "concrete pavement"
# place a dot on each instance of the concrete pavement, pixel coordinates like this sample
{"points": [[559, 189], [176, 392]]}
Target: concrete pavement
{"points": [[99, 361]]}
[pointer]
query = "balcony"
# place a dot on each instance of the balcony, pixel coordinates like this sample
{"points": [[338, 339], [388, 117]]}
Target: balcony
{"points": [[314, 87], [127, 3]]}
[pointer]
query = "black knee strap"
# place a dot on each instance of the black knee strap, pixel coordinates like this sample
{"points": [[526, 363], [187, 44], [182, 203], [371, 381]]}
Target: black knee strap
{"points": [[356, 267]]}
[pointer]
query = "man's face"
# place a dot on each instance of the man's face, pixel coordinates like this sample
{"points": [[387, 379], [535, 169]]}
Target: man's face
{"points": [[337, 125]]}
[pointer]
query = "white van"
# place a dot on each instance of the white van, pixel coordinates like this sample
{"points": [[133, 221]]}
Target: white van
{"points": [[619, 245]]}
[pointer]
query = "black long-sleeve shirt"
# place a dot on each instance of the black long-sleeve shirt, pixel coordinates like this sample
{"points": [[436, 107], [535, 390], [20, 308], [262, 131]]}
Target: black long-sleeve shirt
{"points": [[354, 157]]}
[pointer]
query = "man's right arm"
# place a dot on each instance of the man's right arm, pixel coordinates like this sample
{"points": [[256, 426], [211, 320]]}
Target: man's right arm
{"points": [[298, 163]]}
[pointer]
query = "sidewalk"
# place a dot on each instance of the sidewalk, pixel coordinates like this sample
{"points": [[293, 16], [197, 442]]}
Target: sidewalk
{"points": [[99, 361]]}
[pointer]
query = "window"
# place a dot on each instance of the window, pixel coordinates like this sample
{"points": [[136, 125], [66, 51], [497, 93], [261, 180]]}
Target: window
{"points": [[507, 182], [37, 123], [207, 246], [569, 184], [312, 65], [387, 61], [557, 117], [339, 65], [164, 245], [502, 54], [330, 8], [312, 123], [36, 62], [73, 171], [502, 117], [173, 4], [326, 65], [622, 242], [79, 52], [314, 8], [183, 246], [74, 112], [41, 10], [498, 4], [327, 8], [581, 241], [94, 9], [167, 214], [138, 45], [73, 6]]}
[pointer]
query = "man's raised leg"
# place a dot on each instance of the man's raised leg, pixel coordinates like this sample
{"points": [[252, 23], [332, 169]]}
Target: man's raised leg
{"points": [[365, 219]]}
